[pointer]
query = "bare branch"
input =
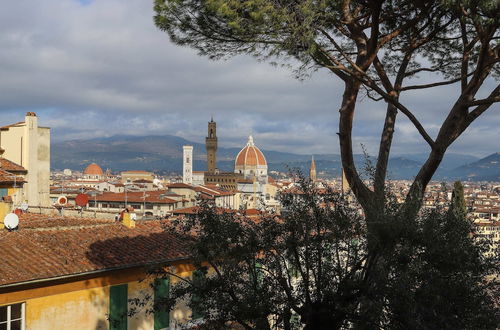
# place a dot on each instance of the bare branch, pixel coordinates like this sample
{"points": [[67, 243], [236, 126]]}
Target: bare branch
{"points": [[441, 83], [494, 95], [487, 101]]}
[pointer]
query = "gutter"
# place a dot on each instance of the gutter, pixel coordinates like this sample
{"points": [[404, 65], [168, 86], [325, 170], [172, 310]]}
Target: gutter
{"points": [[93, 272]]}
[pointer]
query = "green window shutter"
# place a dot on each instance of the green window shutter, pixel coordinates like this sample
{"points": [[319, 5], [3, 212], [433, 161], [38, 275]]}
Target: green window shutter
{"points": [[198, 277], [162, 314], [118, 307], [3, 192]]}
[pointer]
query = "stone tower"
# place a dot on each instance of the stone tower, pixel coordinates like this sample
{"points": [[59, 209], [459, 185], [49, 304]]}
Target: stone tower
{"points": [[312, 170], [28, 144], [211, 145], [187, 164]]}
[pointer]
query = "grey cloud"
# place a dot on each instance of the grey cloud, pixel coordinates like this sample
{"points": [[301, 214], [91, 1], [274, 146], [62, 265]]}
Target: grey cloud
{"points": [[103, 69]]}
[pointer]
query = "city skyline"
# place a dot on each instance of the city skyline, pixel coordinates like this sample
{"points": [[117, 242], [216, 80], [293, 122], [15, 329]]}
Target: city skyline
{"points": [[100, 68]]}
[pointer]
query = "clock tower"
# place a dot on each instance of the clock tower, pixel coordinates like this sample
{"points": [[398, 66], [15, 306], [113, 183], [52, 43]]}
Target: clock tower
{"points": [[211, 145]]}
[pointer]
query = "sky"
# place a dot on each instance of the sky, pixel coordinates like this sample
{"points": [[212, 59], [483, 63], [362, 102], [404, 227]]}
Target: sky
{"points": [[96, 68]]}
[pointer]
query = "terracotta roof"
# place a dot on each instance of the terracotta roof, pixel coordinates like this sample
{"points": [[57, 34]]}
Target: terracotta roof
{"points": [[35, 254], [93, 169], [180, 185], [250, 155], [137, 197], [136, 172], [213, 190], [195, 209], [20, 123], [10, 166], [245, 181], [187, 210], [8, 177], [485, 224]]}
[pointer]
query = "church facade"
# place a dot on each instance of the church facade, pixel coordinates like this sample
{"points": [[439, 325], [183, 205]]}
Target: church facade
{"points": [[250, 176]]}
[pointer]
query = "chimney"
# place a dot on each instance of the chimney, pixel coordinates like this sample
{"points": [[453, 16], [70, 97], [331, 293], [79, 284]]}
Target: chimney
{"points": [[127, 220]]}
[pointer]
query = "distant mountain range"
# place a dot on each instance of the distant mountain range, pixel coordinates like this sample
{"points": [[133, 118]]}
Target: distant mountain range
{"points": [[163, 154]]}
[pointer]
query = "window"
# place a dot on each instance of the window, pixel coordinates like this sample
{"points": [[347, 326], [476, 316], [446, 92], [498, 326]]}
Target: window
{"points": [[161, 313], [118, 307], [3, 192], [12, 317]]}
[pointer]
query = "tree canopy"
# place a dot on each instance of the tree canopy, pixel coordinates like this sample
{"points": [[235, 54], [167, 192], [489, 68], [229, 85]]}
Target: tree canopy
{"points": [[410, 271], [310, 268], [379, 47]]}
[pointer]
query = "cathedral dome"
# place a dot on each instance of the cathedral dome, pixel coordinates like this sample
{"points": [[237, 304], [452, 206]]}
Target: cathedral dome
{"points": [[250, 155], [93, 169]]}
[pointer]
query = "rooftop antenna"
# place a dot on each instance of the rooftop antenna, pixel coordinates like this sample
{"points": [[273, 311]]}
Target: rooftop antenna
{"points": [[81, 200], [11, 221]]}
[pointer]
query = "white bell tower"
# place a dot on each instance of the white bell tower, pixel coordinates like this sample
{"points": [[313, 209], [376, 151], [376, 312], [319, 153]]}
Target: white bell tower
{"points": [[187, 164]]}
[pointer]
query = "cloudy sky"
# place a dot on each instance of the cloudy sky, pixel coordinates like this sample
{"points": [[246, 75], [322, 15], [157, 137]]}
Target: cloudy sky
{"points": [[93, 68]]}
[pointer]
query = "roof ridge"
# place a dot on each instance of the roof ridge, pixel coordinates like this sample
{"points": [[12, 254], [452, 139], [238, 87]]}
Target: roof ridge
{"points": [[62, 228]]}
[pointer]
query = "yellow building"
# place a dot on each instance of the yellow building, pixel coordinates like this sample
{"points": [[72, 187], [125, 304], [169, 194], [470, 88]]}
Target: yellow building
{"points": [[131, 176], [11, 187], [27, 144], [77, 273]]}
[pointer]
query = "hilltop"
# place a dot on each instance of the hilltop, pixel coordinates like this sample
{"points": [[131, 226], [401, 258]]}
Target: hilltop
{"points": [[163, 154]]}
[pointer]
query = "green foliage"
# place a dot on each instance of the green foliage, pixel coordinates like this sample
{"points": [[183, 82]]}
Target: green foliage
{"points": [[311, 267], [392, 269], [318, 33], [458, 206]]}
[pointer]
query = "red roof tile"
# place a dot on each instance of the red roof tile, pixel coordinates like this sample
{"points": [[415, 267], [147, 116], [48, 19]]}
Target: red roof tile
{"points": [[158, 197], [10, 166], [35, 254], [21, 123], [180, 185], [8, 177]]}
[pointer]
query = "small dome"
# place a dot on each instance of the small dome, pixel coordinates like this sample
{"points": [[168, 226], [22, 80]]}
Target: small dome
{"points": [[250, 155], [93, 169]]}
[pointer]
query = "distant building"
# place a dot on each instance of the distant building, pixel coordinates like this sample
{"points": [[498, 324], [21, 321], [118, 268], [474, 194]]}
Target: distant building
{"points": [[27, 144], [131, 176], [198, 178], [312, 170], [211, 146], [93, 172], [249, 178], [187, 164], [251, 162], [226, 180]]}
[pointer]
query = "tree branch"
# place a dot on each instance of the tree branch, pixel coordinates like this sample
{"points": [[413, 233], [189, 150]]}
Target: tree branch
{"points": [[494, 95], [488, 101], [441, 83]]}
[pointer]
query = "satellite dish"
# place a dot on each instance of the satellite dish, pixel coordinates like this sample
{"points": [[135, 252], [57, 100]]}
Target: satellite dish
{"points": [[82, 200], [11, 221], [24, 207], [62, 200]]}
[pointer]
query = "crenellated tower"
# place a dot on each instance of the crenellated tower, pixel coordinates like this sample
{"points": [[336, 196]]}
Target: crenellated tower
{"points": [[211, 145]]}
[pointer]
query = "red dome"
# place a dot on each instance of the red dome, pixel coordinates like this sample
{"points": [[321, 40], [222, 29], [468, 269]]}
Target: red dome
{"points": [[250, 155], [93, 169]]}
